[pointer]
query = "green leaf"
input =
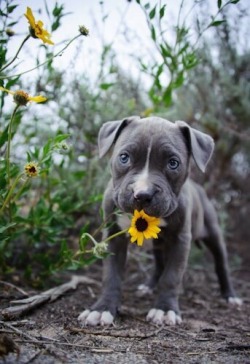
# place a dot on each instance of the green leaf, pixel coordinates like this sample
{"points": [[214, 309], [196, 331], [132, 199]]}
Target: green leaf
{"points": [[166, 53], [144, 67], [9, 25], [106, 86], [11, 8], [190, 61], [6, 227], [152, 13], [162, 11], [46, 149], [219, 2], [234, 1], [4, 136], [153, 34], [59, 138], [57, 10], [216, 23], [29, 158], [179, 80], [147, 6], [167, 96], [11, 82], [55, 25]]}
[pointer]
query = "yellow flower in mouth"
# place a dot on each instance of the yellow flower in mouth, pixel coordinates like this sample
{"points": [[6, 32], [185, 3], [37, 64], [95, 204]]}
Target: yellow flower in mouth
{"points": [[31, 169], [36, 28], [22, 98], [143, 227]]}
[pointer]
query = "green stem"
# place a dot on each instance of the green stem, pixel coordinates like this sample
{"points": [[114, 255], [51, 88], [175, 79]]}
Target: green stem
{"points": [[8, 144], [19, 192], [47, 60], [79, 252], [7, 199], [115, 235], [16, 55]]}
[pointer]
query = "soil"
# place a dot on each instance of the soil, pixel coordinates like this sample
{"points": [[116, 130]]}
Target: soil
{"points": [[211, 332]]}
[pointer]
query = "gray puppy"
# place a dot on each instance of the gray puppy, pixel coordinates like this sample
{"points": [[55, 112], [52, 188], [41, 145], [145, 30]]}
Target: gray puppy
{"points": [[150, 166]]}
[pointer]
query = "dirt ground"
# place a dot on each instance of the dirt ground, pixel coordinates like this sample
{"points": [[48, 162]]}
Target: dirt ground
{"points": [[211, 332]]}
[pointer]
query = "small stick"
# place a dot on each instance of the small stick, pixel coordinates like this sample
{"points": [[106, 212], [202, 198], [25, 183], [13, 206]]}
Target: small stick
{"points": [[24, 305], [15, 287], [17, 331]]}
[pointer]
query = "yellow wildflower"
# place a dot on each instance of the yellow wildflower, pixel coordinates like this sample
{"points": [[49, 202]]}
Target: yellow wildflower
{"points": [[31, 169], [143, 227], [22, 98], [36, 28]]}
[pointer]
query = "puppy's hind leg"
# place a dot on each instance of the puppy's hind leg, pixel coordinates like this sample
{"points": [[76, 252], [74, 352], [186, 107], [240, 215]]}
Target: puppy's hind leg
{"points": [[215, 242]]}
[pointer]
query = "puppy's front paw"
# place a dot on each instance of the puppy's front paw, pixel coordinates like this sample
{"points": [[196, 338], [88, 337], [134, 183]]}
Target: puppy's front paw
{"points": [[235, 301], [171, 318], [159, 317], [94, 318], [156, 316]]}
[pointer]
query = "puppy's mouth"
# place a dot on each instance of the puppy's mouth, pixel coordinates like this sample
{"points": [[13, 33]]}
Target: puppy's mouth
{"points": [[157, 207]]}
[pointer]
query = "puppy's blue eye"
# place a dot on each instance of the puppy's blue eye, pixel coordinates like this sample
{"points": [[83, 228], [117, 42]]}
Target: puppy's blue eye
{"points": [[173, 164], [124, 158]]}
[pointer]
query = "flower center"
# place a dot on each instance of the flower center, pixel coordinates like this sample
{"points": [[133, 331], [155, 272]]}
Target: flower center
{"points": [[38, 30], [32, 170], [21, 97], [141, 224]]}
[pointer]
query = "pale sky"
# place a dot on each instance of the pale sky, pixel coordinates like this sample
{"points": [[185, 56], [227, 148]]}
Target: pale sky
{"points": [[125, 26], [86, 13]]}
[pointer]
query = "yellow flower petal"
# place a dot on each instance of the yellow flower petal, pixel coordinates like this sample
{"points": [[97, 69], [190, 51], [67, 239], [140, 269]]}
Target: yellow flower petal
{"points": [[38, 98], [29, 15], [133, 239], [5, 89], [140, 239], [147, 234]]}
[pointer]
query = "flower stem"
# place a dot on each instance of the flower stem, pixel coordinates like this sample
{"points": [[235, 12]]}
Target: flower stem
{"points": [[115, 235], [43, 63], [7, 199], [16, 55], [20, 191], [8, 144]]}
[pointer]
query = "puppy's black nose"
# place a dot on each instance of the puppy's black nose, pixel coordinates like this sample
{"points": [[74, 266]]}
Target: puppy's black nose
{"points": [[144, 196]]}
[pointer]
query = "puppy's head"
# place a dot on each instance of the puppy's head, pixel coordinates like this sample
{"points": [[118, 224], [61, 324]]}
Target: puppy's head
{"points": [[150, 161]]}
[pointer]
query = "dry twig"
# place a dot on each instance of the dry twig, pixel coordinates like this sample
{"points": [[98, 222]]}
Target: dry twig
{"points": [[15, 287], [25, 305]]}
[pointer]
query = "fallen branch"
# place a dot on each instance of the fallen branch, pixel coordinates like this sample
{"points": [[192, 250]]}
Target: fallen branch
{"points": [[27, 304]]}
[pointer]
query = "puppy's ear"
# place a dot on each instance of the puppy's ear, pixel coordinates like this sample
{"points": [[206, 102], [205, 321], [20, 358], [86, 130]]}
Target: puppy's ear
{"points": [[201, 145], [109, 133]]}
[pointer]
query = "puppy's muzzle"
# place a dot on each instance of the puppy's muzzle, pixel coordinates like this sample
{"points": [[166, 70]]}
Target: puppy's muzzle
{"points": [[144, 197]]}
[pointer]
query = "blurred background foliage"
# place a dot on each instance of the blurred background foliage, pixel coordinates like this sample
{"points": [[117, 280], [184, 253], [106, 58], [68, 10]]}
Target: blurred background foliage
{"points": [[197, 71]]}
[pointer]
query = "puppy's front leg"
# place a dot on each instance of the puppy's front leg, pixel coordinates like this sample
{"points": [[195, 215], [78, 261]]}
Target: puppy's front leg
{"points": [[104, 310], [166, 307]]}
